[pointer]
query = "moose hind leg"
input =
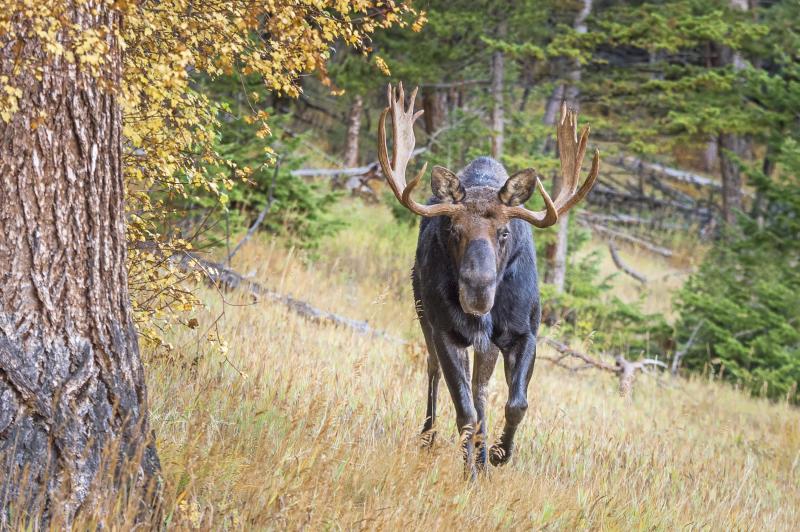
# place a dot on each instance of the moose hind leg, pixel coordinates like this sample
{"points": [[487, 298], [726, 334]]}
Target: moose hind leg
{"points": [[434, 376], [483, 367]]}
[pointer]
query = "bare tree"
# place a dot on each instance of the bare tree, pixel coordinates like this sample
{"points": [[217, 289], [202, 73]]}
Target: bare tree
{"points": [[556, 253], [353, 131], [498, 73], [433, 104], [71, 381]]}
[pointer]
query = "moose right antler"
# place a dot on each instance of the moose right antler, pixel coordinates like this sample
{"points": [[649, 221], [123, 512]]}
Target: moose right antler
{"points": [[404, 141]]}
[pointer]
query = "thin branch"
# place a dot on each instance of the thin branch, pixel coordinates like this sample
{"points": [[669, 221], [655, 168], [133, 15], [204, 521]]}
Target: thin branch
{"points": [[253, 228], [624, 267], [676, 360]]}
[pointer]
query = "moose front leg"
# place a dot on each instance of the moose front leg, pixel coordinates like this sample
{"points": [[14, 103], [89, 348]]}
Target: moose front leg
{"points": [[455, 368], [518, 361], [484, 364], [434, 375]]}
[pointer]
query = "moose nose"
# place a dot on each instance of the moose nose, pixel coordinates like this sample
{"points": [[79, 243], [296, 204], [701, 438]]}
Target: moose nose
{"points": [[477, 278], [478, 268]]}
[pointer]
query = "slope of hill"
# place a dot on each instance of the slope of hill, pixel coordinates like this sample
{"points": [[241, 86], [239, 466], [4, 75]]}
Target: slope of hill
{"points": [[297, 425]]}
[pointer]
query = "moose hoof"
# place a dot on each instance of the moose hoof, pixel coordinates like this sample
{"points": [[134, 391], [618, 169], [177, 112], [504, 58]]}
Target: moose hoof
{"points": [[499, 455]]}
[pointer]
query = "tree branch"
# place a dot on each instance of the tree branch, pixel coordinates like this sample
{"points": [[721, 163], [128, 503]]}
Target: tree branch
{"points": [[251, 231], [622, 266], [676, 360]]}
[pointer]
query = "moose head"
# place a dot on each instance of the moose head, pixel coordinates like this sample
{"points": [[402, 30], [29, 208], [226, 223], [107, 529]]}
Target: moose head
{"points": [[479, 216]]}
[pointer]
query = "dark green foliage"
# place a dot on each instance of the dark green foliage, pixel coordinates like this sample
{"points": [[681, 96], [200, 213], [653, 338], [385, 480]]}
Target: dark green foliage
{"points": [[746, 296], [299, 208]]}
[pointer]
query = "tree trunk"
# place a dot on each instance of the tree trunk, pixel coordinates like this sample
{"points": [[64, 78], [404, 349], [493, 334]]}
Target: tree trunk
{"points": [[556, 253], [731, 144], [433, 103], [711, 154], [498, 72], [353, 131], [73, 404]]}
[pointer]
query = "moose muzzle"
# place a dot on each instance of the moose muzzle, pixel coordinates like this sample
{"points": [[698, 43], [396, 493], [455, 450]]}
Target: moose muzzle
{"points": [[477, 278]]}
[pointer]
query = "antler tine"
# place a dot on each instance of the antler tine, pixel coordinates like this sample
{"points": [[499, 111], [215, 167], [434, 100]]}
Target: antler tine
{"points": [[572, 150], [568, 149], [402, 149], [540, 219]]}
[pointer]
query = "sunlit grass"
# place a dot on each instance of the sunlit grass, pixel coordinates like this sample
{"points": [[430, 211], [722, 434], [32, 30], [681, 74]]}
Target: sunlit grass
{"points": [[300, 425]]}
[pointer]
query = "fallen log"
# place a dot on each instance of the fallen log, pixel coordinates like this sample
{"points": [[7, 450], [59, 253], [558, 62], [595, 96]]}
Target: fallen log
{"points": [[626, 198], [635, 165], [613, 233], [224, 277], [340, 172], [627, 219], [624, 267]]}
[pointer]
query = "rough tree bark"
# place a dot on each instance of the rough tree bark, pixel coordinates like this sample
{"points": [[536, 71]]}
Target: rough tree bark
{"points": [[353, 130], [433, 103], [71, 379], [556, 253], [498, 73]]}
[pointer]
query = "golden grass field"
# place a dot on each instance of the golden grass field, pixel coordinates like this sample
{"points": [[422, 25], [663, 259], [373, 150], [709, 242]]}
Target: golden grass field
{"points": [[304, 426]]}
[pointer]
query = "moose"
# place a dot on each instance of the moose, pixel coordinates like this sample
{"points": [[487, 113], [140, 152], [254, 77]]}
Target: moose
{"points": [[474, 277]]}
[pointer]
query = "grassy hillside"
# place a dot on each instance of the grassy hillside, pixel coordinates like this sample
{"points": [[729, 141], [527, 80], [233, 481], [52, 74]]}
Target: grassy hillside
{"points": [[298, 425]]}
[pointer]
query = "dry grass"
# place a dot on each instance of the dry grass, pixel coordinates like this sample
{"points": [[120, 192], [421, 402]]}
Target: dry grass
{"points": [[302, 426]]}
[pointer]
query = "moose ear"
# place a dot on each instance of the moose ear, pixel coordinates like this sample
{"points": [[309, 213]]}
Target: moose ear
{"points": [[446, 186], [518, 188]]}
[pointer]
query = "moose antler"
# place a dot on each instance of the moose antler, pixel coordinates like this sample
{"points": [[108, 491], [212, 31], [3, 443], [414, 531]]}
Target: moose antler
{"points": [[571, 151], [403, 125]]}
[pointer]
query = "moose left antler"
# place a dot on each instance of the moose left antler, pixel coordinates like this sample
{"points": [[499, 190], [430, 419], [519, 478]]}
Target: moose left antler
{"points": [[571, 152]]}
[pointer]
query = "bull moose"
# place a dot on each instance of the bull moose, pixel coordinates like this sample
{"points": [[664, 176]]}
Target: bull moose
{"points": [[474, 277]]}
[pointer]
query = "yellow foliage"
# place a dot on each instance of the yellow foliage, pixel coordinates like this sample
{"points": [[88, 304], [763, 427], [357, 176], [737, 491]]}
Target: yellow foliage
{"points": [[169, 128]]}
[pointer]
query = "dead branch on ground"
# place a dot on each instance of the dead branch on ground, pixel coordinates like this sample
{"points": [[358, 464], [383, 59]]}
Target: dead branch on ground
{"points": [[224, 277], [623, 368], [615, 234], [622, 266], [676, 360]]}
